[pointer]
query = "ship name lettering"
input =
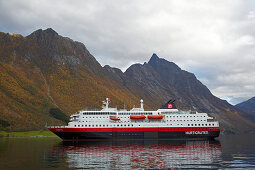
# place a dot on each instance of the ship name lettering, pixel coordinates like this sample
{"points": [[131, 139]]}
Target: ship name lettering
{"points": [[196, 133]]}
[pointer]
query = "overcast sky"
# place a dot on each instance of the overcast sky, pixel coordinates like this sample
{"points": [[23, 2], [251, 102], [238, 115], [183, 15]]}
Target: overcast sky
{"points": [[214, 39]]}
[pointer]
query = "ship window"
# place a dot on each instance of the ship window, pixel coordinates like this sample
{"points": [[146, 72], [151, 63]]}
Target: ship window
{"points": [[78, 125], [74, 125], [191, 124]]}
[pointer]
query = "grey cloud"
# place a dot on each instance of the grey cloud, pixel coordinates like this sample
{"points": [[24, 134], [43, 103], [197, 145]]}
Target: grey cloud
{"points": [[213, 39]]}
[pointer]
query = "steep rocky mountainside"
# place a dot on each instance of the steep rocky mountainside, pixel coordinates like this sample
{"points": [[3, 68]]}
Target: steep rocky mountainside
{"points": [[45, 70]]}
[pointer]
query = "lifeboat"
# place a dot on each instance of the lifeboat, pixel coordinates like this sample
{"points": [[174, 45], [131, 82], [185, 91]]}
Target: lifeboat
{"points": [[116, 118], [137, 117], [155, 116]]}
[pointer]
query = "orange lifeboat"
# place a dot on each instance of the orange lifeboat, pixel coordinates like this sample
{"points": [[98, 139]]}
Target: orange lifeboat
{"points": [[115, 118], [155, 116], [137, 117]]}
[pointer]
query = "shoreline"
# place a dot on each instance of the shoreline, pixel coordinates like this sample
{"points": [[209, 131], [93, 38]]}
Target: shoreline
{"points": [[27, 134]]}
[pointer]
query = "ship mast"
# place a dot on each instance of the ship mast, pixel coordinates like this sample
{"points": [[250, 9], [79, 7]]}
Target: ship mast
{"points": [[141, 104], [106, 104]]}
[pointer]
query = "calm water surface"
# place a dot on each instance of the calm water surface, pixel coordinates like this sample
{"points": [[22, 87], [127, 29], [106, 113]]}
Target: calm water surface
{"points": [[51, 153]]}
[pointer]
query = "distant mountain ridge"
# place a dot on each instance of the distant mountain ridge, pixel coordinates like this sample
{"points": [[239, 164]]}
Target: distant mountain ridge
{"points": [[247, 106], [45, 70]]}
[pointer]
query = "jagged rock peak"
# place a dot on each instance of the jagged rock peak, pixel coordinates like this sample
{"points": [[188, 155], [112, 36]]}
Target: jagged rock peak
{"points": [[154, 57], [158, 63], [49, 32]]}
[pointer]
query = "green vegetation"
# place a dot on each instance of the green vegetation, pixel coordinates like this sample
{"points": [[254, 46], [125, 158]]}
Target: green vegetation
{"points": [[4, 123], [27, 134], [58, 114]]}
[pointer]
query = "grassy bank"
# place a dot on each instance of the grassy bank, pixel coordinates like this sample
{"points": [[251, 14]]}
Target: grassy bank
{"points": [[27, 134]]}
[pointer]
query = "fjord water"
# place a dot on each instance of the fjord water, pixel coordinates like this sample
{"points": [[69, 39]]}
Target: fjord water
{"points": [[52, 153]]}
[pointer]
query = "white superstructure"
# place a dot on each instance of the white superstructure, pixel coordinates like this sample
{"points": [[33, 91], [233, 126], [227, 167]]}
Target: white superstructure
{"points": [[111, 117]]}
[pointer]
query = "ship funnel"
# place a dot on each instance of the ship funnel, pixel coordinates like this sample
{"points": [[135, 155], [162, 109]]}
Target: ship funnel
{"points": [[169, 105]]}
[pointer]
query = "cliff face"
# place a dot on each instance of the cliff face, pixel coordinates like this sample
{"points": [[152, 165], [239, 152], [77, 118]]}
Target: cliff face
{"points": [[45, 70]]}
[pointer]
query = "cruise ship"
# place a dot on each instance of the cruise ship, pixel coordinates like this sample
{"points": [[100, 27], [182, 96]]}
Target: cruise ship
{"points": [[166, 123]]}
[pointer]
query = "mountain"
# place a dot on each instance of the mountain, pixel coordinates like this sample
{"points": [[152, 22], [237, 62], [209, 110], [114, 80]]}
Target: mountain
{"points": [[44, 72], [160, 80], [247, 106]]}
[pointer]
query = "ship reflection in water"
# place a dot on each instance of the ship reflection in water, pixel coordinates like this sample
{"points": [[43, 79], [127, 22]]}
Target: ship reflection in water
{"points": [[142, 154]]}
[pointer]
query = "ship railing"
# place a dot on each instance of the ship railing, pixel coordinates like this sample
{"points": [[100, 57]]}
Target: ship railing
{"points": [[211, 120], [93, 109], [55, 126], [193, 112]]}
